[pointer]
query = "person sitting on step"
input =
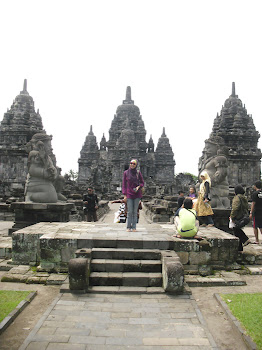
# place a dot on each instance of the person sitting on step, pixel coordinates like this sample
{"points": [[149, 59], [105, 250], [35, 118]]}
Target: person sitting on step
{"points": [[186, 223]]}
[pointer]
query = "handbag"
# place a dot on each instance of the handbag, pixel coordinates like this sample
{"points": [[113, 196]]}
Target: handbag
{"points": [[142, 188], [242, 221]]}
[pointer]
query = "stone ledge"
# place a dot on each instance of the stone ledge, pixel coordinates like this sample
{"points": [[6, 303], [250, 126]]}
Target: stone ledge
{"points": [[23, 275], [224, 279], [13, 314]]}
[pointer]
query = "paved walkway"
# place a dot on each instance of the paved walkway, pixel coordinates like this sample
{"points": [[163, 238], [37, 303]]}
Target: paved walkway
{"points": [[117, 322]]}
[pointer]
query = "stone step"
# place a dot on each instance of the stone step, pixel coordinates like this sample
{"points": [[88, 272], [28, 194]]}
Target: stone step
{"points": [[126, 253], [125, 290], [120, 265], [133, 279]]}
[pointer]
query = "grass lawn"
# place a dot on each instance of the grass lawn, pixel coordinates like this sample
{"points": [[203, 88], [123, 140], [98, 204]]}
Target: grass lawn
{"points": [[247, 308], [9, 299]]}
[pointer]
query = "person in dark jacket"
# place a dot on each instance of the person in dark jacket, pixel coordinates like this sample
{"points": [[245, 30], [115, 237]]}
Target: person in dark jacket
{"points": [[239, 209], [90, 205]]}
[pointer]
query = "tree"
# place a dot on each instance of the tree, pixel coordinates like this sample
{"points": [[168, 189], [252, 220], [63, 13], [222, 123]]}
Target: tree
{"points": [[72, 175]]}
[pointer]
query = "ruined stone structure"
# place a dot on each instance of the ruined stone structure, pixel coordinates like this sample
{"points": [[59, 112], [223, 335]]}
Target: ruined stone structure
{"points": [[237, 129], [103, 167], [19, 124]]}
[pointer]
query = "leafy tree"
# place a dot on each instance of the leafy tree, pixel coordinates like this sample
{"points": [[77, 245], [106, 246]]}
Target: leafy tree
{"points": [[72, 175]]}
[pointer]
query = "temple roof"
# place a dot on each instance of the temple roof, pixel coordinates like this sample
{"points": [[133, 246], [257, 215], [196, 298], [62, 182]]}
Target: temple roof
{"points": [[128, 104], [22, 114]]}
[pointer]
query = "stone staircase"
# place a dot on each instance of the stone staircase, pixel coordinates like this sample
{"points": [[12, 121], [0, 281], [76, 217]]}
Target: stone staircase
{"points": [[125, 267], [125, 270]]}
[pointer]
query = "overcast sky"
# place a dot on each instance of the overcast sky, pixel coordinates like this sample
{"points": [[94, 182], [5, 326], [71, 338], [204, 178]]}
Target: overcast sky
{"points": [[179, 57]]}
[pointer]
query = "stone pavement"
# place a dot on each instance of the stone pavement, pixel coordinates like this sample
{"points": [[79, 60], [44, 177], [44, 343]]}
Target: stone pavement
{"points": [[117, 322]]}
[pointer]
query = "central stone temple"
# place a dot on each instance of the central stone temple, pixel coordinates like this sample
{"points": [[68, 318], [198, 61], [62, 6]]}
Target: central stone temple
{"points": [[103, 166]]}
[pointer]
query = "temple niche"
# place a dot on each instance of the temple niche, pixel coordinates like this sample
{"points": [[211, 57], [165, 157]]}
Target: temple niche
{"points": [[103, 166], [19, 124], [237, 129]]}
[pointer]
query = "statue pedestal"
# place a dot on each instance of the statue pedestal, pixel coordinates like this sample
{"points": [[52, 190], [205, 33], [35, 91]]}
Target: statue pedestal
{"points": [[27, 213], [221, 219]]}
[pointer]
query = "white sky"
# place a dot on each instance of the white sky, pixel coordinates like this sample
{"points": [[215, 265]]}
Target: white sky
{"points": [[179, 57]]}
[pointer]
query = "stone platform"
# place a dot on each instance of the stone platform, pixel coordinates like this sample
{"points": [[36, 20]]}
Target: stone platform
{"points": [[27, 214], [52, 245]]}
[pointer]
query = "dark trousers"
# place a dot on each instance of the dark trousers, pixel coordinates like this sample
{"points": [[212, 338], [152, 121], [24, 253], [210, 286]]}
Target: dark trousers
{"points": [[242, 237], [206, 220], [91, 215]]}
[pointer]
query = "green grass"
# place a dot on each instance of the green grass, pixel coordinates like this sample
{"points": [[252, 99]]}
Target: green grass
{"points": [[9, 299], [247, 308]]}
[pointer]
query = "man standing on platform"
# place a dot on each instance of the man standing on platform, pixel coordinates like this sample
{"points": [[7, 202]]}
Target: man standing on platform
{"points": [[256, 209], [90, 205]]}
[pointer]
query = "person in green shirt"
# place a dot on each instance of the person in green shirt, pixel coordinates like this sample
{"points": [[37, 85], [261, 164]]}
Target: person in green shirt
{"points": [[185, 221]]}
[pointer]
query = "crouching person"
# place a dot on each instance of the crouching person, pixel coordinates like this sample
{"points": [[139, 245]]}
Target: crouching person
{"points": [[186, 223]]}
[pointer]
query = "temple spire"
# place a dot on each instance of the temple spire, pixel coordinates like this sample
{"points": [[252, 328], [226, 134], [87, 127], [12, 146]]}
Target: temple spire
{"points": [[128, 99], [24, 92], [91, 130], [164, 133], [233, 90]]}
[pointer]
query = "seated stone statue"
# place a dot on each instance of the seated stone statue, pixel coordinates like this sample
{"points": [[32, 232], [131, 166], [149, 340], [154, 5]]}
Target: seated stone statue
{"points": [[59, 185], [42, 173], [214, 161]]}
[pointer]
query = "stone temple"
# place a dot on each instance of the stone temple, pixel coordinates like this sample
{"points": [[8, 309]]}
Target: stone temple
{"points": [[19, 124], [239, 134], [103, 166]]}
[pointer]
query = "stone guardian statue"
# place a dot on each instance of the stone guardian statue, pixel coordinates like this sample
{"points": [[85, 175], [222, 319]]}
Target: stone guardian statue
{"points": [[42, 173], [214, 161]]}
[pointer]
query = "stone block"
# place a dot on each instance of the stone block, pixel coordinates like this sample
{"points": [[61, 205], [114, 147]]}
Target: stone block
{"points": [[25, 247], [191, 269], [186, 245], [78, 271], [199, 258], [54, 279], [184, 257], [214, 253], [172, 274], [10, 277], [83, 253], [205, 270], [57, 251]]}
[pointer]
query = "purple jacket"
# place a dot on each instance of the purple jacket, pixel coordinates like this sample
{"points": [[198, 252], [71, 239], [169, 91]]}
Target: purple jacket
{"points": [[127, 186]]}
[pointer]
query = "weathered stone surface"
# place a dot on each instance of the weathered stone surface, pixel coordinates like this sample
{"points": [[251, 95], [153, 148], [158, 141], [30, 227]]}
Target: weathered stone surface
{"points": [[199, 258], [78, 272], [27, 214], [19, 124], [53, 244], [214, 162], [238, 131], [205, 270], [172, 273], [184, 257]]}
